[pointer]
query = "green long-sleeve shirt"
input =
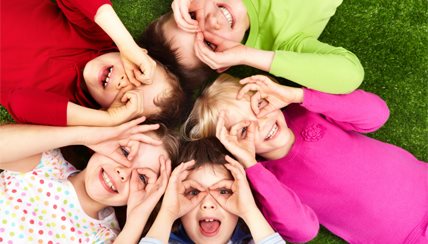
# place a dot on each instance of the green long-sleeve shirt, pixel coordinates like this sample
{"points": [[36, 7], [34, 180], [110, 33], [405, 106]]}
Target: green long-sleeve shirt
{"points": [[291, 28]]}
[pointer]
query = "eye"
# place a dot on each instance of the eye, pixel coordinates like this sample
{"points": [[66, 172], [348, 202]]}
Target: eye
{"points": [[210, 45], [262, 103], [192, 192], [143, 178], [124, 151], [244, 131], [225, 191], [193, 15]]}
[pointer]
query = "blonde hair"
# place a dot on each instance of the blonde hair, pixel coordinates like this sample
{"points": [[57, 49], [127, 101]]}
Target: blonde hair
{"points": [[219, 95]]}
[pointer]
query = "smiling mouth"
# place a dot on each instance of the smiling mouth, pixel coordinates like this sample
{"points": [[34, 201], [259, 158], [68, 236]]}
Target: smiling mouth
{"points": [[273, 131], [106, 76], [227, 15], [107, 182], [209, 227]]}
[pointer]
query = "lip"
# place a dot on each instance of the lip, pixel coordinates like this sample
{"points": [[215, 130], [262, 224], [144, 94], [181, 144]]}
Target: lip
{"points": [[106, 187], [227, 7]]}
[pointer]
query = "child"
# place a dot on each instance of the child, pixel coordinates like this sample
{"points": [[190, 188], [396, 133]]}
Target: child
{"points": [[208, 194], [280, 37], [70, 67], [45, 199], [318, 168]]}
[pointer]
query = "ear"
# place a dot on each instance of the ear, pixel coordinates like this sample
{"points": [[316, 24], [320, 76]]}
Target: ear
{"points": [[221, 70]]}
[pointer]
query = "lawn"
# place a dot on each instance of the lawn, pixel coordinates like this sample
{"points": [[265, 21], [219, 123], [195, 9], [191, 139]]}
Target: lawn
{"points": [[390, 38]]}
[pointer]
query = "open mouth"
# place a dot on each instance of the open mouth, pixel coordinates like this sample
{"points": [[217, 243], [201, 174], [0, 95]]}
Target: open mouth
{"points": [[227, 15], [209, 226], [107, 182], [105, 76], [273, 132]]}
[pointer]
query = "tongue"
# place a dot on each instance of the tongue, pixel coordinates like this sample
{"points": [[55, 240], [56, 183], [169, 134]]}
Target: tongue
{"points": [[209, 227]]}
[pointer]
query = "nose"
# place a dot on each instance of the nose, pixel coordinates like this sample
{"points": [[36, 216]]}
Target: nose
{"points": [[208, 203], [123, 82], [212, 21], [123, 173]]}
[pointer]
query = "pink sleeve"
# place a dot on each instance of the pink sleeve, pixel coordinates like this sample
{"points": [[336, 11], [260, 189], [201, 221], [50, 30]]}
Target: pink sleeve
{"points": [[37, 107], [357, 111], [293, 220]]}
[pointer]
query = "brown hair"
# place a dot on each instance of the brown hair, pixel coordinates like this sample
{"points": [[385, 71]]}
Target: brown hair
{"points": [[153, 39], [174, 103]]}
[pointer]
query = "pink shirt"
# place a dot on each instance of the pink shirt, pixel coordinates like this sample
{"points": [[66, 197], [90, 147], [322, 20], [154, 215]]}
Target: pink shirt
{"points": [[361, 189]]}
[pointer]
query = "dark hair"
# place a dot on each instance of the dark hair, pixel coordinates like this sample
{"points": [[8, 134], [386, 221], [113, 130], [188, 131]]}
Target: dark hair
{"points": [[153, 39], [174, 103], [204, 151]]}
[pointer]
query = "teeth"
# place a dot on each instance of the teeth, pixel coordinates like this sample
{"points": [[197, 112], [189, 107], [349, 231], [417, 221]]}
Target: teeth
{"points": [[227, 14], [208, 220], [109, 73], [108, 182], [272, 132]]}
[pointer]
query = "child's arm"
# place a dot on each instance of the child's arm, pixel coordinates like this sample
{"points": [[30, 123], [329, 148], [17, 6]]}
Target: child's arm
{"points": [[175, 202], [132, 107], [235, 196], [142, 200], [139, 66], [358, 111], [283, 209], [20, 141], [90, 15], [304, 60]]}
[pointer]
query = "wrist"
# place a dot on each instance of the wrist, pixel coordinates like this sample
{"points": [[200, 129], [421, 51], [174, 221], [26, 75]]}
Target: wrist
{"points": [[298, 95], [262, 62]]}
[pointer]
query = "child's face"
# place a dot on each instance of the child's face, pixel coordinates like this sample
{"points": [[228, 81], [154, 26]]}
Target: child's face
{"points": [[107, 181], [208, 222], [109, 66], [225, 18], [272, 136]]}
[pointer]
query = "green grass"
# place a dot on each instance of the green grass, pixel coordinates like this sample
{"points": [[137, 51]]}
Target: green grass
{"points": [[389, 37]]}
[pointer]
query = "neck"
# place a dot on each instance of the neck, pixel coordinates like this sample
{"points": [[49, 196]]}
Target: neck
{"points": [[89, 205], [282, 151]]}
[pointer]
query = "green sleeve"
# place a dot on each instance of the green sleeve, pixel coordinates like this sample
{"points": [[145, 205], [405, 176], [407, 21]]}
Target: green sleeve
{"points": [[316, 65]]}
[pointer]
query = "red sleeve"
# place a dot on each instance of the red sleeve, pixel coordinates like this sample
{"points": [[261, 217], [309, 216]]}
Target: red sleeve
{"points": [[37, 107], [82, 12]]}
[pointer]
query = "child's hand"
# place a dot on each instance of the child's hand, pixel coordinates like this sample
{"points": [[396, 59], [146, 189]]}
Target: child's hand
{"points": [[234, 196], [131, 107], [139, 66], [111, 141], [221, 54], [177, 201], [239, 140], [145, 193], [182, 9], [269, 95]]}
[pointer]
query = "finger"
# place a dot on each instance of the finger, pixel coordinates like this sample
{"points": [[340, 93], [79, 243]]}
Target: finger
{"points": [[193, 184], [131, 76], [251, 129], [133, 146], [135, 184], [265, 111], [218, 41], [233, 162], [247, 88], [131, 124], [220, 128], [197, 199], [236, 129], [146, 139], [222, 184], [140, 76], [145, 128], [236, 173], [254, 102], [182, 16]]}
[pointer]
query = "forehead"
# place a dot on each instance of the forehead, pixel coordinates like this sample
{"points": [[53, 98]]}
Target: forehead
{"points": [[181, 40], [209, 174], [148, 156], [238, 111]]}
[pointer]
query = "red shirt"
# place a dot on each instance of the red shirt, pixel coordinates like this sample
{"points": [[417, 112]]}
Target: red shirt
{"points": [[44, 48]]}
